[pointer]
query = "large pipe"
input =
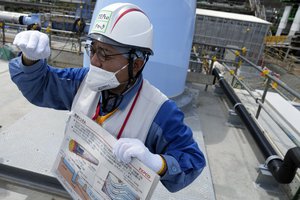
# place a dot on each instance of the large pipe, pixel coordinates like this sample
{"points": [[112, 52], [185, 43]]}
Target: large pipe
{"points": [[12, 17], [296, 23], [283, 171], [19, 18], [35, 18], [284, 20]]}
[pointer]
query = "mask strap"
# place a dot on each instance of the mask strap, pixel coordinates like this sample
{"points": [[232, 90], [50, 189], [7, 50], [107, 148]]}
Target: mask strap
{"points": [[121, 69], [118, 98]]}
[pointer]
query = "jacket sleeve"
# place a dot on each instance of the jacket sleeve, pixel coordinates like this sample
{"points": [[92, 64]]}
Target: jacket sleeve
{"points": [[171, 138], [46, 86]]}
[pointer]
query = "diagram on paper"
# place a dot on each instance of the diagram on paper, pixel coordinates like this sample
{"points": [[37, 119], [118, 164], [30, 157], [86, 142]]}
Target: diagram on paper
{"points": [[115, 189]]}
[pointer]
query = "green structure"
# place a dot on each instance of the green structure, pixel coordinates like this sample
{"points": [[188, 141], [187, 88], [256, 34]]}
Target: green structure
{"points": [[6, 53]]}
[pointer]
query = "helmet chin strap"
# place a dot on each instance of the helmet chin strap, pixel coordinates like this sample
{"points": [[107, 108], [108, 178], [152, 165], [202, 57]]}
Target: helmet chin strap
{"points": [[131, 78], [130, 67], [146, 55], [111, 101]]}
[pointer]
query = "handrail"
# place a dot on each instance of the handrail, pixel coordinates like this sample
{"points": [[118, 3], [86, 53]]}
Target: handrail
{"points": [[280, 54], [273, 78], [258, 101], [284, 170]]}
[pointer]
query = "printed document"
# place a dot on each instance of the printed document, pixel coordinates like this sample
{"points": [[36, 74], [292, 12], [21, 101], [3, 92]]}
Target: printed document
{"points": [[88, 169]]}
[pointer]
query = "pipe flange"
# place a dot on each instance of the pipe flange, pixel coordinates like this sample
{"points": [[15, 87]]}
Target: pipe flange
{"points": [[235, 105], [273, 157]]}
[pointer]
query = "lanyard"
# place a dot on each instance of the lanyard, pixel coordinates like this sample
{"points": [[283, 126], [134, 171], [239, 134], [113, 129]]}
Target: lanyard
{"points": [[130, 111], [109, 114]]}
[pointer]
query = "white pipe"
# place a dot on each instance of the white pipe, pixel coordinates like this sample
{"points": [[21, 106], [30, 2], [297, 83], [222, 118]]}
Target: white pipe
{"points": [[284, 20], [296, 23], [11, 16]]}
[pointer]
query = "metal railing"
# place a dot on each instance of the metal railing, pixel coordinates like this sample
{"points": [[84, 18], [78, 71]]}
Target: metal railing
{"points": [[282, 57], [270, 80], [260, 102]]}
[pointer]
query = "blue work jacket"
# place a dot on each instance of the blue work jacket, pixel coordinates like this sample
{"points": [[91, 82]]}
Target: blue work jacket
{"points": [[46, 86]]}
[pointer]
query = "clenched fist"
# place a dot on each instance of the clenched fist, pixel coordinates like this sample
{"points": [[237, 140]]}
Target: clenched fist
{"points": [[33, 44]]}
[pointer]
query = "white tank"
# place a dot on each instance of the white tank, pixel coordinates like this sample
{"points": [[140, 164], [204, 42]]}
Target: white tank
{"points": [[173, 22]]}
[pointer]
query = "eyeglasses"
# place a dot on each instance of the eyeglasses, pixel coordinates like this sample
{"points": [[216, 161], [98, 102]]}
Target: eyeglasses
{"points": [[100, 52]]}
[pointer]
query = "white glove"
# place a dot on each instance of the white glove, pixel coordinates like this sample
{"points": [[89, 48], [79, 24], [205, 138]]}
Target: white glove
{"points": [[127, 148], [33, 44]]}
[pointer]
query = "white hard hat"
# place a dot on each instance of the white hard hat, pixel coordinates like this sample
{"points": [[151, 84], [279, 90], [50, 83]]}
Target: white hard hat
{"points": [[123, 24]]}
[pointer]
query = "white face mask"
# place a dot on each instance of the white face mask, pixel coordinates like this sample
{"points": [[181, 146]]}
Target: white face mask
{"points": [[99, 79]]}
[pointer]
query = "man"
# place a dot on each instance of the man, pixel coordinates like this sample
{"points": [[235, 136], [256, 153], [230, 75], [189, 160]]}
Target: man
{"points": [[114, 94]]}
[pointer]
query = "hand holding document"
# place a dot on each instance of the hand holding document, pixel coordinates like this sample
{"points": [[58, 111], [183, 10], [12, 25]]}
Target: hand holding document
{"points": [[88, 169]]}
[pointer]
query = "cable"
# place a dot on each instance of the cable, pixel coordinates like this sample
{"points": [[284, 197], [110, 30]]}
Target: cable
{"points": [[53, 59]]}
